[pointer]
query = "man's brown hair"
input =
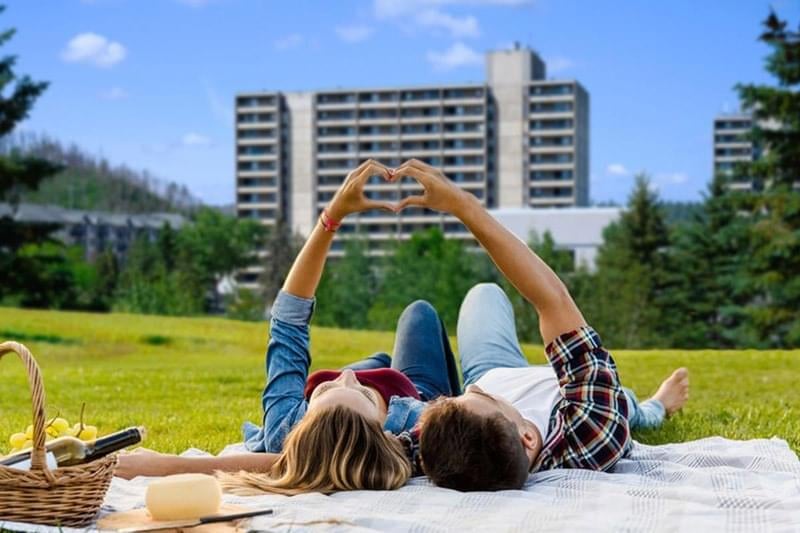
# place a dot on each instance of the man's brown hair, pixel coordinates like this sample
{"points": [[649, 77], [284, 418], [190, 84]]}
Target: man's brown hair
{"points": [[465, 451]]}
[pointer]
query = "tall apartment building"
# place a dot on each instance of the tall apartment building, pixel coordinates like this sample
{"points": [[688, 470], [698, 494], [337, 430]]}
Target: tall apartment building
{"points": [[517, 140], [730, 144]]}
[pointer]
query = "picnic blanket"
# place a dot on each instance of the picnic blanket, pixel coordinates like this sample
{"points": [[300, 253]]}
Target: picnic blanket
{"points": [[711, 485]]}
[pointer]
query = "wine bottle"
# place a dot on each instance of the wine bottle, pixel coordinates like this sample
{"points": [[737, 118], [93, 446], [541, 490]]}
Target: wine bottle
{"points": [[70, 451]]}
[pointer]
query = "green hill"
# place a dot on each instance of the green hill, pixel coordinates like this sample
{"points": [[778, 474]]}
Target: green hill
{"points": [[91, 183]]}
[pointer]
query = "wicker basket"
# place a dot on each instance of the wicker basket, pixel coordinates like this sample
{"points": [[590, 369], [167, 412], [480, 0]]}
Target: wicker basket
{"points": [[69, 496]]}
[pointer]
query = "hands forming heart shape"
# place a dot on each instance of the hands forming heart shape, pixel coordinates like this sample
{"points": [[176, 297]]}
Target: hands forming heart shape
{"points": [[440, 193]]}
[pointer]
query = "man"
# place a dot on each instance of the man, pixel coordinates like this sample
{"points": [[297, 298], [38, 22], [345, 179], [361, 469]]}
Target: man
{"points": [[514, 418]]}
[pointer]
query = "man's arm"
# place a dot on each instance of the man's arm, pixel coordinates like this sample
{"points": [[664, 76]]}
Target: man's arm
{"points": [[519, 264], [143, 462]]}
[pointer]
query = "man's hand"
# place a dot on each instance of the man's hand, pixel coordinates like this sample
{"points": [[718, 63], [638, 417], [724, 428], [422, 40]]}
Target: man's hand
{"points": [[350, 196], [440, 193]]}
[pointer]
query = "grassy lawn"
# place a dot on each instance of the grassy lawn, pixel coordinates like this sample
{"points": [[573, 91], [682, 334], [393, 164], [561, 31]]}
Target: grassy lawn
{"points": [[192, 382]]}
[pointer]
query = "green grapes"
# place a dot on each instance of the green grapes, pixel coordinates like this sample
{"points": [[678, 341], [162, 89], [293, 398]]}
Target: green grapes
{"points": [[54, 428]]}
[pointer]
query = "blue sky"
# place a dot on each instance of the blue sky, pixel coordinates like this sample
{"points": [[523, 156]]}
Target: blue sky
{"points": [[150, 83]]}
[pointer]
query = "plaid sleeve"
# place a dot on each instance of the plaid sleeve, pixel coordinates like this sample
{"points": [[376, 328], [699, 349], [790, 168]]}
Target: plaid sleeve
{"points": [[410, 441], [590, 429]]}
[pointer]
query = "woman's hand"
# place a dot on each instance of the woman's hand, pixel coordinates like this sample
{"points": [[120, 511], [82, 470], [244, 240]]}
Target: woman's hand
{"points": [[144, 462], [440, 193], [350, 196]]}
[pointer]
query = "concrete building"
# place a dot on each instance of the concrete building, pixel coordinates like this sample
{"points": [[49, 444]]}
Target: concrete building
{"points": [[730, 144], [93, 231], [517, 140], [579, 230]]}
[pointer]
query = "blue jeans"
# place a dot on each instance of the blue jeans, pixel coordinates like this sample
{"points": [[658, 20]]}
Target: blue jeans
{"points": [[421, 351], [487, 339]]}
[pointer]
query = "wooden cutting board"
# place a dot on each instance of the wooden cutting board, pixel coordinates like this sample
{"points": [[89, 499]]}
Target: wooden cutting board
{"points": [[141, 518]]}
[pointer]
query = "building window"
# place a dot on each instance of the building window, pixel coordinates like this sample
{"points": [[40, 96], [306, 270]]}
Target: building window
{"points": [[336, 115], [546, 175], [556, 124], [551, 107], [564, 140], [558, 157], [256, 150], [256, 165], [551, 192], [472, 92], [550, 90], [336, 98], [267, 133], [251, 118]]}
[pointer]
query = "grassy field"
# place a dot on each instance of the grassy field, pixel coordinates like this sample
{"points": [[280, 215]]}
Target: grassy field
{"points": [[192, 382]]}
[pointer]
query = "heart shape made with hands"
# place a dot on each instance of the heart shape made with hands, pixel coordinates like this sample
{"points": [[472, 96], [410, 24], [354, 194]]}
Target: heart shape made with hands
{"points": [[353, 196]]}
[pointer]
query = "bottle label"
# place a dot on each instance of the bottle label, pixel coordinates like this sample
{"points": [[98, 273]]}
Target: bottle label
{"points": [[50, 459]]}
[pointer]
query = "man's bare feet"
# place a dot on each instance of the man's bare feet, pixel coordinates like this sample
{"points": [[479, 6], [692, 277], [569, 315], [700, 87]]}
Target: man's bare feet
{"points": [[674, 391]]}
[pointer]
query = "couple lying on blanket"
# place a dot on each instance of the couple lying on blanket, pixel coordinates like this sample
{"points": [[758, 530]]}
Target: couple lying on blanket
{"points": [[379, 421]]}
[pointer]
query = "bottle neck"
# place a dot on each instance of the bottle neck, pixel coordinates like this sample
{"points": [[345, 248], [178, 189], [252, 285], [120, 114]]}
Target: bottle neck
{"points": [[114, 442]]}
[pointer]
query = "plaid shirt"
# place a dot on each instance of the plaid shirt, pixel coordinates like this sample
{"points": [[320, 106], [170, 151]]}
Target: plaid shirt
{"points": [[589, 424]]}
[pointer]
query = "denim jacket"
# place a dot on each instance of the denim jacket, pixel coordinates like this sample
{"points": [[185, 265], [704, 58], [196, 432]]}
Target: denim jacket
{"points": [[288, 360]]}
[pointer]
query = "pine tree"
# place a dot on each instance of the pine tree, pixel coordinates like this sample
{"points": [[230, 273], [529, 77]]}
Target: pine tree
{"points": [[773, 273], [631, 273], [18, 173], [703, 306]]}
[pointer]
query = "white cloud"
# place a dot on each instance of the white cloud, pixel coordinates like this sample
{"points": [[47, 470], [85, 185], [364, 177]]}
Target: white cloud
{"points": [[617, 169], [558, 64], [672, 178], [354, 34], [289, 41], [430, 14], [114, 93], [93, 49], [393, 8], [458, 55], [195, 139], [457, 26]]}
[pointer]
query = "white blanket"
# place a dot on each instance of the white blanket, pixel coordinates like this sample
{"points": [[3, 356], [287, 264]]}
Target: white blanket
{"points": [[710, 485]]}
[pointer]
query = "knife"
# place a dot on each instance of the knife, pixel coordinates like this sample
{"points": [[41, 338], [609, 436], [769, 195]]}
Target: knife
{"points": [[196, 522]]}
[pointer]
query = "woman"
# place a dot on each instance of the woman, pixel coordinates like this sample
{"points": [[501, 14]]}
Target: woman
{"points": [[332, 430]]}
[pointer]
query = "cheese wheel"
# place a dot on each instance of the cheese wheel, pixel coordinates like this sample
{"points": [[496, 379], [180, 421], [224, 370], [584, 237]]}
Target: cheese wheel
{"points": [[183, 497]]}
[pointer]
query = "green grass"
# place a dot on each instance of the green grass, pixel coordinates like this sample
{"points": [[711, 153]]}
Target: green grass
{"points": [[193, 381]]}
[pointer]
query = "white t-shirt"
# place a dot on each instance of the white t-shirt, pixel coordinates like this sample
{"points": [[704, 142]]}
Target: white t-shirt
{"points": [[532, 390]]}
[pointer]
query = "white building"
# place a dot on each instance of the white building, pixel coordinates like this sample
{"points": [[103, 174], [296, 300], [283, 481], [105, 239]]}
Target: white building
{"points": [[517, 140], [578, 229]]}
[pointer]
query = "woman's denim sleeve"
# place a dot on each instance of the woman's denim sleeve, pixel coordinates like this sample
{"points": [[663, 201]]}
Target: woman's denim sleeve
{"points": [[287, 365]]}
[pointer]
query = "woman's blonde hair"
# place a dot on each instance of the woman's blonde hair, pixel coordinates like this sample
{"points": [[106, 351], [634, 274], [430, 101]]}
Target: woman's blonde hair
{"points": [[331, 449]]}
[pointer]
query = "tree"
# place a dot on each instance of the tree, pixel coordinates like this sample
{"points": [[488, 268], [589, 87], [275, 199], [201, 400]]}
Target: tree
{"points": [[18, 173], [281, 247], [631, 273], [774, 207], [212, 247], [428, 266], [348, 287], [704, 304]]}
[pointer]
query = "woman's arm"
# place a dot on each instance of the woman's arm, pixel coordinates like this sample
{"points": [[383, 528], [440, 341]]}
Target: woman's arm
{"points": [[306, 271], [143, 462], [519, 264]]}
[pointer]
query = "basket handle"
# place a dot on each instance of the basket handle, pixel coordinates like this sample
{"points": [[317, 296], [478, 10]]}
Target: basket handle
{"points": [[37, 399]]}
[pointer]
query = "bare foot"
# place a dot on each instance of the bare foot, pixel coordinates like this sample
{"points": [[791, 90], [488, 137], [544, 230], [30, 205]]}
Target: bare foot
{"points": [[674, 391]]}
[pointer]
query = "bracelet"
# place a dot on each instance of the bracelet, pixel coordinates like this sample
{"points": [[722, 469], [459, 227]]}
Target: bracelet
{"points": [[328, 223]]}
